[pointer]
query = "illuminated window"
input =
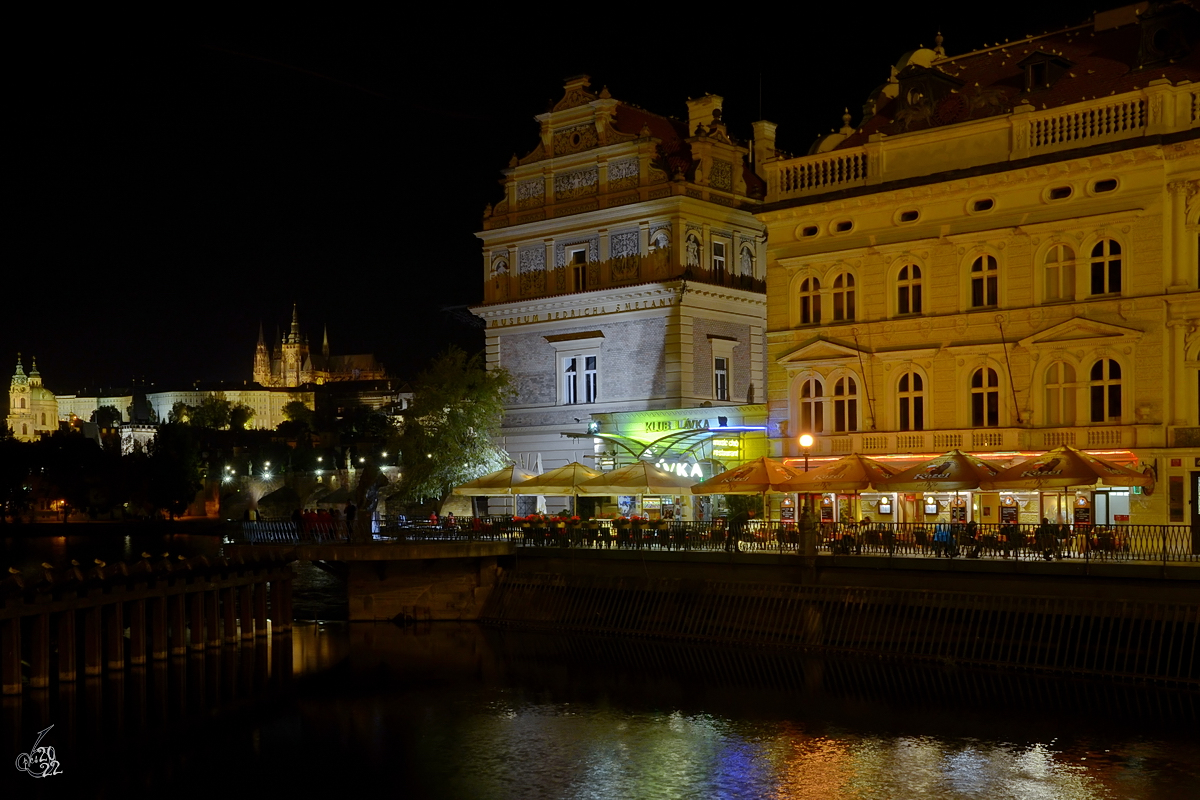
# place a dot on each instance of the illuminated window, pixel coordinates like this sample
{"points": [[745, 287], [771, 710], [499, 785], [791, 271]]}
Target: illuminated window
{"points": [[845, 405], [1058, 273], [721, 378], [810, 302], [843, 297], [718, 260], [985, 398], [1060, 394], [985, 282], [1106, 267], [1105, 391], [812, 406], [908, 290], [911, 396]]}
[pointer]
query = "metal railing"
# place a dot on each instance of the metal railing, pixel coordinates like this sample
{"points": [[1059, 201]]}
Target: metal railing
{"points": [[1116, 543]]}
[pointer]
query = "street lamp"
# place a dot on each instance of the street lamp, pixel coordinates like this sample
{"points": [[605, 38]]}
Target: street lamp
{"points": [[806, 441]]}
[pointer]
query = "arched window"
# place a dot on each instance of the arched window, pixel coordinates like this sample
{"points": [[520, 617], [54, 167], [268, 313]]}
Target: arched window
{"points": [[908, 290], [845, 405], [810, 302], [843, 297], [985, 398], [1059, 273], [20, 402], [910, 392], [43, 419], [1106, 267], [1105, 389], [985, 282], [1060, 394], [812, 406], [24, 429]]}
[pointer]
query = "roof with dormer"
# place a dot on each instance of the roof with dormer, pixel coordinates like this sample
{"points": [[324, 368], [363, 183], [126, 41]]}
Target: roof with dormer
{"points": [[1106, 56]]}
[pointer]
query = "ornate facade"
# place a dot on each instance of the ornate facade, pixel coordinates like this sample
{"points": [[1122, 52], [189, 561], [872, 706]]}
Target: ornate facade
{"points": [[293, 364], [1002, 258], [32, 408], [623, 272]]}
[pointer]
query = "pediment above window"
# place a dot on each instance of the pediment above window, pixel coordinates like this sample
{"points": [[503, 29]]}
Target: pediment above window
{"points": [[819, 351], [1079, 330]]}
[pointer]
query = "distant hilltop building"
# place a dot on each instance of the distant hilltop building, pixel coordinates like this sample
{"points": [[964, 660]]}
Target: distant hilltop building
{"points": [[32, 408], [291, 363]]}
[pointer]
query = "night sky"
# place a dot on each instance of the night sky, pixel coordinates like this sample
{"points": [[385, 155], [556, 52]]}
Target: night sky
{"points": [[173, 190]]}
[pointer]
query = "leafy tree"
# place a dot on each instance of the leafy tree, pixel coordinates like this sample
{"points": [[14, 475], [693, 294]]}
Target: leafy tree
{"points": [[240, 416], [106, 416], [16, 466], [174, 468], [297, 411], [180, 413], [213, 412], [446, 438], [359, 423]]}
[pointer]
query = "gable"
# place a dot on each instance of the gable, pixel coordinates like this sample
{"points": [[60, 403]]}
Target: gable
{"points": [[1079, 331], [819, 351]]}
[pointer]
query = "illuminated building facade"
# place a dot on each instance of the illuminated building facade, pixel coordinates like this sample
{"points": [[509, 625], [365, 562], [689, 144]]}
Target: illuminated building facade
{"points": [[623, 274], [1002, 258], [293, 364], [32, 408]]}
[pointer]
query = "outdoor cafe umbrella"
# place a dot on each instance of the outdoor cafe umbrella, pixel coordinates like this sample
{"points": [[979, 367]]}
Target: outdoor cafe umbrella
{"points": [[562, 482], [954, 471], [637, 478], [1065, 466], [760, 476], [495, 484], [853, 473]]}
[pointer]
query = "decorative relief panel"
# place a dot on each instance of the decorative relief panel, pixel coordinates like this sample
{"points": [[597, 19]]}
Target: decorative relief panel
{"points": [[625, 269], [721, 176], [531, 193], [572, 140], [533, 283], [531, 259], [623, 174], [580, 183], [624, 244]]}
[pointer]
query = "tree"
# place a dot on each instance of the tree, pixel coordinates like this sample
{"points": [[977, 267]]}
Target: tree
{"points": [[180, 413], [299, 420], [213, 412], [240, 416], [446, 437], [174, 469], [106, 416]]}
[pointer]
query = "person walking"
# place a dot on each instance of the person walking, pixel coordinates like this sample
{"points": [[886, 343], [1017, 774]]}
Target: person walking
{"points": [[351, 512]]}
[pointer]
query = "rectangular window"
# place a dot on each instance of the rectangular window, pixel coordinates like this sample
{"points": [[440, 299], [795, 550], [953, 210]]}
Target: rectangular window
{"points": [[589, 379], [718, 250], [579, 270], [721, 378], [570, 380]]}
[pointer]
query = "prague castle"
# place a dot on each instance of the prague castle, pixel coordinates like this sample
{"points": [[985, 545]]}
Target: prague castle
{"points": [[291, 363]]}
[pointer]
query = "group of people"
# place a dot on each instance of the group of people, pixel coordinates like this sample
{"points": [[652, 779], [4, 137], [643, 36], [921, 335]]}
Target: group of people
{"points": [[323, 519]]}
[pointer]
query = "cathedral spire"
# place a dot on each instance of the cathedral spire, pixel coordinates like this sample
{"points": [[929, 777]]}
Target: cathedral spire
{"points": [[295, 337], [19, 375], [325, 344], [261, 343], [35, 377]]}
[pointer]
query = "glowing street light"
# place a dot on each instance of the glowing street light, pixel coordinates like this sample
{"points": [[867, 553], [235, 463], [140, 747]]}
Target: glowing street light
{"points": [[806, 441]]}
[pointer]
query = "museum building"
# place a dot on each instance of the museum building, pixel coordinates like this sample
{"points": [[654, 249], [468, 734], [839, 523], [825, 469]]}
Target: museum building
{"points": [[1001, 257]]}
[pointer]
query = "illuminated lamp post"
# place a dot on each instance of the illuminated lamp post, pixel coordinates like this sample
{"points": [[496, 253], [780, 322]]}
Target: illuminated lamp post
{"points": [[806, 441]]}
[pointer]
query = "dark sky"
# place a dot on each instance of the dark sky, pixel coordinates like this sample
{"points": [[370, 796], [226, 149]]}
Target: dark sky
{"points": [[173, 189]]}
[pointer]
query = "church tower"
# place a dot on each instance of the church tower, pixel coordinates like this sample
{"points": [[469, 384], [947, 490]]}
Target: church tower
{"points": [[262, 361], [32, 408]]}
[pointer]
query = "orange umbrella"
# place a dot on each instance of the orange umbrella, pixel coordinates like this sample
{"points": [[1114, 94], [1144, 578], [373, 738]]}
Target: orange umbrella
{"points": [[854, 473], [760, 476], [954, 471], [1065, 466]]}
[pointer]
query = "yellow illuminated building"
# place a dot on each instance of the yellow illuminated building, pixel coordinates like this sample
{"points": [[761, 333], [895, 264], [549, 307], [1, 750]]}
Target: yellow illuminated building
{"points": [[32, 408]]}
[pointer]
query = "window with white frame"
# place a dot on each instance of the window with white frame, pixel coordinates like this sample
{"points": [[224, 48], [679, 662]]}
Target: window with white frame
{"points": [[812, 405], [1060, 394], [1106, 267], [985, 398], [845, 405], [722, 366], [720, 378], [910, 399], [985, 282], [1058, 274], [908, 290], [1105, 391], [577, 366], [718, 260]]}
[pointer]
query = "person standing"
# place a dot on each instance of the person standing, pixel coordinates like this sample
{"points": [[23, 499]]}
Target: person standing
{"points": [[351, 511]]}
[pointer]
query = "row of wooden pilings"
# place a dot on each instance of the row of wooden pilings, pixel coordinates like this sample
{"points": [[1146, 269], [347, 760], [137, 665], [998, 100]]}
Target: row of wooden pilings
{"points": [[169, 607]]}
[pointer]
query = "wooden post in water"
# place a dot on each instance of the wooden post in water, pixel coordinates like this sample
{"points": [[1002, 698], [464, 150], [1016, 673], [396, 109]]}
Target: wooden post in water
{"points": [[39, 652], [229, 611], [178, 620], [245, 616], [93, 644], [66, 646], [260, 609], [212, 604], [158, 628], [281, 620], [137, 632], [116, 635], [196, 637]]}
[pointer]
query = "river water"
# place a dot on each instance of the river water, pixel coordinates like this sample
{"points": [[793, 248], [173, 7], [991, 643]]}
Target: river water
{"points": [[451, 710]]}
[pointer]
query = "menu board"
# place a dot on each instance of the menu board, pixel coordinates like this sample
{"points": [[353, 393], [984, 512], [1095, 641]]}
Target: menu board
{"points": [[788, 513], [826, 513], [1008, 514], [1083, 515], [958, 513]]}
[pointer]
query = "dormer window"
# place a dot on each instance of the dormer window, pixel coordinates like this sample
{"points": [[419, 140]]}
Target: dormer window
{"points": [[1043, 69]]}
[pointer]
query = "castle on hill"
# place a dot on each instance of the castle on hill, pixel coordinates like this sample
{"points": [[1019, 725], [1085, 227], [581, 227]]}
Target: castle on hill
{"points": [[292, 363]]}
